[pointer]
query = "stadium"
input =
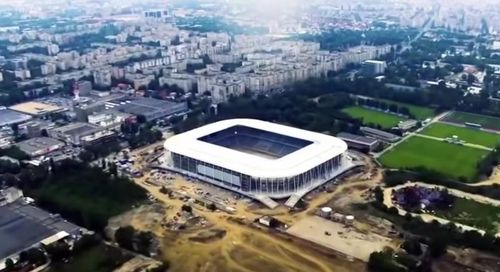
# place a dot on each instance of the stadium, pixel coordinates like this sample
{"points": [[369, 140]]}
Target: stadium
{"points": [[258, 159]]}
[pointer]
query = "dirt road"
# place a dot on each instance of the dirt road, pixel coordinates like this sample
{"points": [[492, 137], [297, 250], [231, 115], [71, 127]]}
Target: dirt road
{"points": [[243, 248]]}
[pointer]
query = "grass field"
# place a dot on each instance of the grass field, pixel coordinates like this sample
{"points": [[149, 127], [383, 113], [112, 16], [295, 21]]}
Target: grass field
{"points": [[449, 159], [371, 116], [97, 259], [419, 112], [488, 122], [474, 214], [470, 135]]}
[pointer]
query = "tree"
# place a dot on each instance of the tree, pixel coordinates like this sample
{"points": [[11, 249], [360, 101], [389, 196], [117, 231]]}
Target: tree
{"points": [[393, 108], [44, 133], [383, 262], [86, 242], [15, 129], [412, 246], [36, 256], [405, 111], [9, 264], [113, 169], [144, 242], [124, 236], [437, 246], [378, 193], [141, 119], [86, 156], [212, 207], [58, 251], [187, 208]]}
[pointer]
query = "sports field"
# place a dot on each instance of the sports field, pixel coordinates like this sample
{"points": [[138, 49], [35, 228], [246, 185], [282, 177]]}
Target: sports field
{"points": [[474, 214], [375, 117], [449, 159], [421, 113], [488, 122], [470, 135]]}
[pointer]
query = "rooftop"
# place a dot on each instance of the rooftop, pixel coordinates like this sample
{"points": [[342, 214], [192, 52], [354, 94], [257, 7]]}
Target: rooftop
{"points": [[40, 145], [145, 106], [322, 148], [35, 108], [78, 129], [9, 117], [23, 226], [357, 138]]}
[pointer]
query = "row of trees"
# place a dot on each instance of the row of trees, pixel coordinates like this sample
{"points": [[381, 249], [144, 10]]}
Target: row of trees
{"points": [[394, 178], [316, 111], [394, 108]]}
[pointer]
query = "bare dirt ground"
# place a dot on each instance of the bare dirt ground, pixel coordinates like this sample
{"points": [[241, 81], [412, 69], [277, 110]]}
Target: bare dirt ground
{"points": [[138, 263], [226, 245], [241, 248], [347, 240], [494, 178], [475, 259]]}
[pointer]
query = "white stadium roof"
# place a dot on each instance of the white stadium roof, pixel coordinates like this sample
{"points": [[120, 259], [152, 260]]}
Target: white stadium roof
{"points": [[322, 149]]}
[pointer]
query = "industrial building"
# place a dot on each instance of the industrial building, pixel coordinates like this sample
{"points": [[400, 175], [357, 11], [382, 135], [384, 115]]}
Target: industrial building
{"points": [[23, 226], [152, 109], [380, 134], [259, 159], [81, 134], [10, 117], [36, 109], [358, 142], [373, 67], [407, 124], [39, 146]]}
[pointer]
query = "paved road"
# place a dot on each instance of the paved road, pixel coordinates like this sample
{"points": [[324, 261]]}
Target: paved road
{"points": [[424, 29]]}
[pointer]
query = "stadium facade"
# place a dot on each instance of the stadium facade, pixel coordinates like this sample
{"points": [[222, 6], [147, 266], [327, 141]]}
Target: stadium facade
{"points": [[259, 159]]}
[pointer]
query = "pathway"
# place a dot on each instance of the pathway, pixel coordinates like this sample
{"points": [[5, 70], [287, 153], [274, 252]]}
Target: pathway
{"points": [[429, 217], [434, 119], [465, 144]]}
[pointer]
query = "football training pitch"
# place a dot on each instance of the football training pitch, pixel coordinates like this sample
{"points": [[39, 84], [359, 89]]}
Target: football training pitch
{"points": [[385, 120], [485, 121], [469, 135], [448, 159]]}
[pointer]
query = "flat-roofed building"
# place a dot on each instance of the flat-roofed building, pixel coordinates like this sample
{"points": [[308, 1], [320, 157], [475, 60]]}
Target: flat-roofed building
{"points": [[23, 226], [358, 142], [36, 108], [10, 117], [380, 134], [39, 146], [81, 134], [152, 109]]}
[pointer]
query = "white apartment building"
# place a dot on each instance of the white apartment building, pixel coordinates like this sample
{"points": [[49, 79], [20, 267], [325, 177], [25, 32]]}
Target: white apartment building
{"points": [[102, 77]]}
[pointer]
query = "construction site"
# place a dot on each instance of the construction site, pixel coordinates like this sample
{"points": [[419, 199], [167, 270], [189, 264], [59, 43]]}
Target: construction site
{"points": [[202, 227]]}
